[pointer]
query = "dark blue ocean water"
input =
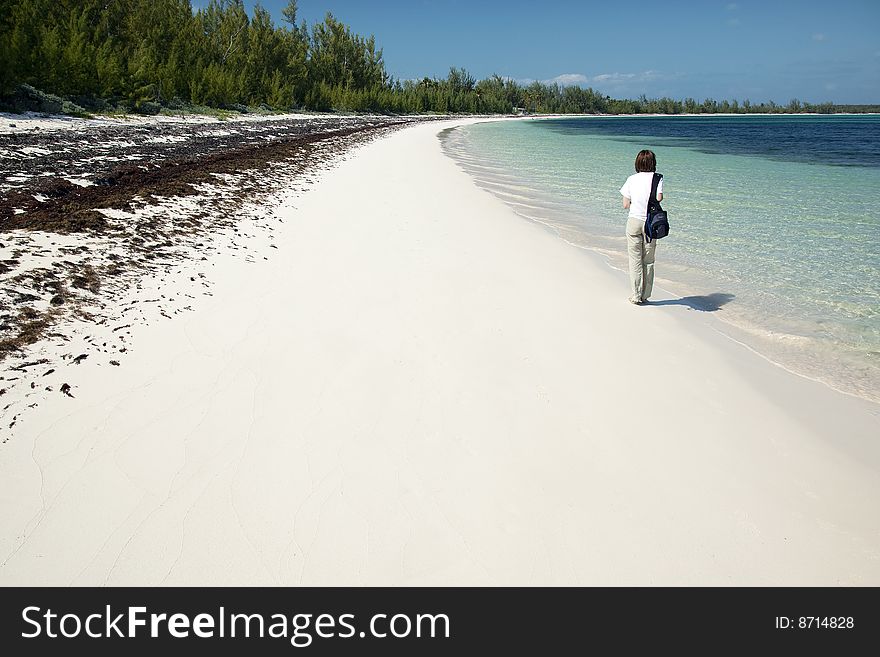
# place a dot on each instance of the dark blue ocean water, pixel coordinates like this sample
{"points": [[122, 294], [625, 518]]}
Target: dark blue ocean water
{"points": [[850, 140]]}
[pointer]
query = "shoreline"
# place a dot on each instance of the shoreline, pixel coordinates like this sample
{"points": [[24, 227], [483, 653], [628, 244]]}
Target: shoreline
{"points": [[37, 121], [790, 346], [435, 393], [788, 114]]}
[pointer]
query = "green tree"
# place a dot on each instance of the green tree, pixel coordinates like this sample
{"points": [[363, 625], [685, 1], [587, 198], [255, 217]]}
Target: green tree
{"points": [[339, 58], [155, 50]]}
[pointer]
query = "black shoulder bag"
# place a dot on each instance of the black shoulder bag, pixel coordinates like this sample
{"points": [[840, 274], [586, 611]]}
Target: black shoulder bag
{"points": [[656, 223]]}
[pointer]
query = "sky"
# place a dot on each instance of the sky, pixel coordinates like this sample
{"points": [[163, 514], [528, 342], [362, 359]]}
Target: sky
{"points": [[757, 49]]}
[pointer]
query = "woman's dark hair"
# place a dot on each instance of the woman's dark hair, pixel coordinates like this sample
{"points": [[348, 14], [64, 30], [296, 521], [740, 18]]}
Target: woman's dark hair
{"points": [[645, 161]]}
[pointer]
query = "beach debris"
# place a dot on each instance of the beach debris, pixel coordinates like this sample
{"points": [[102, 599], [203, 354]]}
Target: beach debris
{"points": [[94, 216], [24, 366], [24, 297], [88, 279], [8, 265]]}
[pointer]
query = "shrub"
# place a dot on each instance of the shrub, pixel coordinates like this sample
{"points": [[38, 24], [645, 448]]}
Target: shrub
{"points": [[68, 107], [28, 99], [148, 107]]}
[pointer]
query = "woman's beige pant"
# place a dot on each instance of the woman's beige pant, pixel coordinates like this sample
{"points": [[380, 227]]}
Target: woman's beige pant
{"points": [[641, 259]]}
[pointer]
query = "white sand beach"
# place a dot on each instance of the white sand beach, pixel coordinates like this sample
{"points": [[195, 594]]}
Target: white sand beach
{"points": [[419, 387], [10, 123]]}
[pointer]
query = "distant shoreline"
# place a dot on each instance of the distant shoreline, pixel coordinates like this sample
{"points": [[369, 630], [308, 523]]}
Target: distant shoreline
{"points": [[43, 121], [707, 114]]}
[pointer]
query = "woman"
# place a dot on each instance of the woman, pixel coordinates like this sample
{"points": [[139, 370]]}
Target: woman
{"points": [[636, 192]]}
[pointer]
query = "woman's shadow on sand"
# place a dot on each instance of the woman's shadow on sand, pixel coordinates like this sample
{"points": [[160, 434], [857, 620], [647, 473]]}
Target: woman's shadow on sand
{"points": [[707, 304]]}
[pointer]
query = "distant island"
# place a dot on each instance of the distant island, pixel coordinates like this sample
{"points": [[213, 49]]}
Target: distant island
{"points": [[154, 56]]}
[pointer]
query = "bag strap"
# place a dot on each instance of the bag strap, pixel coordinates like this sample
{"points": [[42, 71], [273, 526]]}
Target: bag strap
{"points": [[654, 184], [652, 201]]}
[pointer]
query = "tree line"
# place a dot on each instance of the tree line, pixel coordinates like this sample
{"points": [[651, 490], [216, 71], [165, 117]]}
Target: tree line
{"points": [[160, 53]]}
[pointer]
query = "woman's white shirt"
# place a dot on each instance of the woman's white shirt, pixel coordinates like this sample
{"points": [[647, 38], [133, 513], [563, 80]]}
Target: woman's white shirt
{"points": [[637, 189]]}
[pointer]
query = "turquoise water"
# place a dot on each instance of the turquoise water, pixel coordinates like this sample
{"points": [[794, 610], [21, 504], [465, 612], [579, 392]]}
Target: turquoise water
{"points": [[774, 216]]}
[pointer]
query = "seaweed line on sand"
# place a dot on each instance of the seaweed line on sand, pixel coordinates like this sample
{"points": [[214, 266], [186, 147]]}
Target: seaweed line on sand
{"points": [[80, 263]]}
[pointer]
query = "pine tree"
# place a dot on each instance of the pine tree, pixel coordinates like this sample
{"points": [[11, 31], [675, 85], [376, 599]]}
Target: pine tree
{"points": [[156, 50]]}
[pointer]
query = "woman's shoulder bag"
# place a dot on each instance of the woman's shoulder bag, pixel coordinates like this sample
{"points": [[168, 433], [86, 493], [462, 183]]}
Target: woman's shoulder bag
{"points": [[656, 223]]}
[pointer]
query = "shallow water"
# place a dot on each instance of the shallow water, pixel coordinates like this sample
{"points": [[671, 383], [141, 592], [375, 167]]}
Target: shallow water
{"points": [[774, 226]]}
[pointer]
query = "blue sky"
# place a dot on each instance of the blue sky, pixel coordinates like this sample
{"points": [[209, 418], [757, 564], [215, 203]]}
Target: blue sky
{"points": [[762, 50]]}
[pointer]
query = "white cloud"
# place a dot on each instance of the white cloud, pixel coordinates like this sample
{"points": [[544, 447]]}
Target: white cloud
{"points": [[568, 79], [731, 8], [621, 78], [563, 80], [819, 37], [615, 79]]}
